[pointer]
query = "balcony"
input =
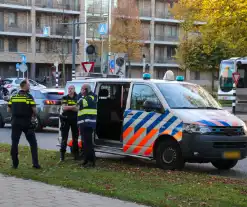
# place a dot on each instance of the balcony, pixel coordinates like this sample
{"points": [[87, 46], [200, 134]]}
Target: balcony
{"points": [[16, 30], [163, 39], [163, 15], [59, 31], [72, 7], [165, 60], [16, 4]]}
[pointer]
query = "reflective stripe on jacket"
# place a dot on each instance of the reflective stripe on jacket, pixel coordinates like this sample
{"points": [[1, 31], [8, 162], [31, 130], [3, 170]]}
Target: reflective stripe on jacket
{"points": [[87, 113]]}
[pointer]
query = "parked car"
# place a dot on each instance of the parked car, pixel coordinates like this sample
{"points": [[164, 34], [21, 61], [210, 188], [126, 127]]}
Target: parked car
{"points": [[48, 102], [13, 84], [5, 117]]}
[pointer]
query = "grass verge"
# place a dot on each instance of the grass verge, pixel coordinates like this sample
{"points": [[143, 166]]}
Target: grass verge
{"points": [[130, 180]]}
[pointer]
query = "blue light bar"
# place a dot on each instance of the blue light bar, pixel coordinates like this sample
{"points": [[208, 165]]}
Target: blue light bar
{"points": [[180, 78], [146, 76]]}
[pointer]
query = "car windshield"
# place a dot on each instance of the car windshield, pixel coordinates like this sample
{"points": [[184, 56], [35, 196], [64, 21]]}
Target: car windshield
{"points": [[187, 96]]}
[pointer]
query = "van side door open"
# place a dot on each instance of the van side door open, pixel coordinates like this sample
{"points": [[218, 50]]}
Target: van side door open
{"points": [[112, 99]]}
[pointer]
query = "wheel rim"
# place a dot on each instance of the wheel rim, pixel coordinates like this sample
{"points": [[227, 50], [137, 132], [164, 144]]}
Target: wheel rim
{"points": [[169, 155]]}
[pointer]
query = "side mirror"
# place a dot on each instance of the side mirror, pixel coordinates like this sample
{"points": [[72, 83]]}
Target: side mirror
{"points": [[152, 106]]}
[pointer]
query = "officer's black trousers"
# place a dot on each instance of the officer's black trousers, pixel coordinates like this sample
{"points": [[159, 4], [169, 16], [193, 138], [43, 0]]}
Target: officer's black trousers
{"points": [[17, 130], [65, 133], [88, 148]]}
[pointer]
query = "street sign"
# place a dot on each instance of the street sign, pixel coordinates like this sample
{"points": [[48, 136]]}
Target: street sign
{"points": [[88, 66], [102, 29], [112, 64], [23, 67], [46, 31], [23, 58], [236, 77], [17, 66]]}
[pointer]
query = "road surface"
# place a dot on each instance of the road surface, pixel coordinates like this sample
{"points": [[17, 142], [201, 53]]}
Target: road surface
{"points": [[48, 140]]}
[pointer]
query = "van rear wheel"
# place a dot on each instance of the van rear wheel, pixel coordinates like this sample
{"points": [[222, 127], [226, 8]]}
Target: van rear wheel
{"points": [[224, 164], [169, 156]]}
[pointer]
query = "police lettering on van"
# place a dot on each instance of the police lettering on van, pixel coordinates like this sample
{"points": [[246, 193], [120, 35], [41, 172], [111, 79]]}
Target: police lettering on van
{"points": [[172, 122]]}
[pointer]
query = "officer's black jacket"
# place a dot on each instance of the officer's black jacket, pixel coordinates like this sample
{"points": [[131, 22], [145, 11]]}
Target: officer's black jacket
{"points": [[70, 101], [21, 105]]}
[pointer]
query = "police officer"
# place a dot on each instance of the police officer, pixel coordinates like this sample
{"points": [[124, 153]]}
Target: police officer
{"points": [[23, 108], [87, 112], [69, 107]]}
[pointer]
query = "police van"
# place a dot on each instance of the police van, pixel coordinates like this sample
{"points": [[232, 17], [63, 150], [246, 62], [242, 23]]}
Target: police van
{"points": [[169, 121]]}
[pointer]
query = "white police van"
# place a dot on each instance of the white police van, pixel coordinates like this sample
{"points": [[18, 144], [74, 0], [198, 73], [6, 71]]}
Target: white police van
{"points": [[170, 121]]}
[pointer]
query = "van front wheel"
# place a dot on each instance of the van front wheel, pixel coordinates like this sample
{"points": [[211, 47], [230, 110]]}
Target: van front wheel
{"points": [[169, 156], [224, 164]]}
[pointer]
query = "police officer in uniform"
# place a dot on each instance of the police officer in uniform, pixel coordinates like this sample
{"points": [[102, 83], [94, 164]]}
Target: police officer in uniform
{"points": [[23, 108], [69, 120], [87, 113]]}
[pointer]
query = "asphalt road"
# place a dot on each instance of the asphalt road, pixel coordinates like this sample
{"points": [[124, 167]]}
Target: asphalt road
{"points": [[48, 140]]}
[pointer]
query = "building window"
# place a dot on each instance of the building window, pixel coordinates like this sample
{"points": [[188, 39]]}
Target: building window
{"points": [[172, 31], [171, 52], [13, 45], [1, 44], [38, 21], [12, 19], [38, 46]]}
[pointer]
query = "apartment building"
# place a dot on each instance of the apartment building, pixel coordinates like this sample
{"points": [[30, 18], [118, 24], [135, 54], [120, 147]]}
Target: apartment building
{"points": [[21, 32]]}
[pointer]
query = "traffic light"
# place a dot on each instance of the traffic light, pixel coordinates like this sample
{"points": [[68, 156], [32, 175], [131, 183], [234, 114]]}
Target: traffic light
{"points": [[90, 49]]}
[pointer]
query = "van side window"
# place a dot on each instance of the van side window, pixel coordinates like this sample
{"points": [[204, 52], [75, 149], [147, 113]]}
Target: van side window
{"points": [[140, 94]]}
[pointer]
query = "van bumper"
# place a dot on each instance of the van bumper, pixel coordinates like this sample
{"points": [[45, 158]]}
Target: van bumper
{"points": [[213, 147]]}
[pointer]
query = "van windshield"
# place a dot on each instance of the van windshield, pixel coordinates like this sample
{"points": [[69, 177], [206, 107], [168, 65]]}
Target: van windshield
{"points": [[187, 96]]}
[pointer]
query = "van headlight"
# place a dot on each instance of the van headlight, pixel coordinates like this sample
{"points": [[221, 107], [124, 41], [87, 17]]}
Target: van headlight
{"points": [[194, 128]]}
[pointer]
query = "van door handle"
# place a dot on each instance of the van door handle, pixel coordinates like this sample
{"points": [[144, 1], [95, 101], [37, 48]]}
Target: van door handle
{"points": [[130, 114]]}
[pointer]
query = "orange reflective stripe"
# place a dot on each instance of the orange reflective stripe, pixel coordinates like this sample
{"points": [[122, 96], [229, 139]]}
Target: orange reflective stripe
{"points": [[178, 136], [133, 138], [149, 151], [145, 140], [127, 132], [167, 132]]}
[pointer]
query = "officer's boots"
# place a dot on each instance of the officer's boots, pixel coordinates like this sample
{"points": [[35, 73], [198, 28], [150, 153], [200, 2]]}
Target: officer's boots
{"points": [[62, 156]]}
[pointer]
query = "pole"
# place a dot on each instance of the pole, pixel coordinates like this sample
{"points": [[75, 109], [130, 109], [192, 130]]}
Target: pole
{"points": [[109, 35], [73, 50], [144, 63], [234, 99], [56, 76], [102, 56]]}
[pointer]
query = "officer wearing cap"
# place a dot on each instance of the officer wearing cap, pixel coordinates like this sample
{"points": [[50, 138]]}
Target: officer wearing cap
{"points": [[23, 109]]}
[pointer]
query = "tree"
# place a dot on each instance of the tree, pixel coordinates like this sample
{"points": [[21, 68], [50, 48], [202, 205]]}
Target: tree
{"points": [[225, 21], [192, 55], [126, 31]]}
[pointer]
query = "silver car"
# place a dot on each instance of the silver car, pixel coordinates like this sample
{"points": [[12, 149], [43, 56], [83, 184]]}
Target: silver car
{"points": [[13, 84], [5, 117], [48, 107]]}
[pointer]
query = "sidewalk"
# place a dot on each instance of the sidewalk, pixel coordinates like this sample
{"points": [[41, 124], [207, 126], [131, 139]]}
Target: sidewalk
{"points": [[17, 192]]}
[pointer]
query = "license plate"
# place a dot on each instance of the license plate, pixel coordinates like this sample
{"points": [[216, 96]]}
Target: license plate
{"points": [[231, 155]]}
